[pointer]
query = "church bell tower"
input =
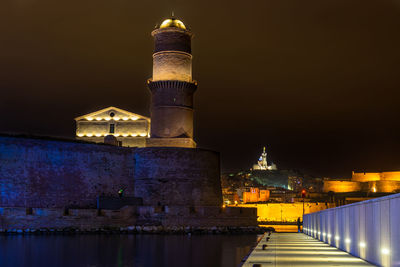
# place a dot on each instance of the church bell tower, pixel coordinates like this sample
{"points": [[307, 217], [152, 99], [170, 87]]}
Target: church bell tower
{"points": [[172, 87]]}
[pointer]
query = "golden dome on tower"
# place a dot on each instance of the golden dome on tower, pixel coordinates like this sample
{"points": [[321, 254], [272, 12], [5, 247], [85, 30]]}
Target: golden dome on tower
{"points": [[172, 22]]}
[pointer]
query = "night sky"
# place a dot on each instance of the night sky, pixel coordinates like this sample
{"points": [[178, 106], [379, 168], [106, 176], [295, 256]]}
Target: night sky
{"points": [[317, 82]]}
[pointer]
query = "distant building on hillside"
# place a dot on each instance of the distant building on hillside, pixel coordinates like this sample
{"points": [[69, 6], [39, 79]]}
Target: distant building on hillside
{"points": [[262, 163], [128, 128]]}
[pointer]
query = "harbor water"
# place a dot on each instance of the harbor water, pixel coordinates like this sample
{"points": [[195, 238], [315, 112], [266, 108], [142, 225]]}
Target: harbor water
{"points": [[124, 250]]}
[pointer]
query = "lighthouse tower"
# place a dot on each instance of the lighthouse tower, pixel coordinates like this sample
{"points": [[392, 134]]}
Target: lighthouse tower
{"points": [[172, 87]]}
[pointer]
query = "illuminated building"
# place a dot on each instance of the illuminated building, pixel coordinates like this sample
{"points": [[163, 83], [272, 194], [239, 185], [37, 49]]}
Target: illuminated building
{"points": [[262, 163], [255, 195], [128, 128], [295, 183], [375, 182], [172, 87]]}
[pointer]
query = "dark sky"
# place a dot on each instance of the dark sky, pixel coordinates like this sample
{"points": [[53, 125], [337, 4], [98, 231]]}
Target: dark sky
{"points": [[317, 82]]}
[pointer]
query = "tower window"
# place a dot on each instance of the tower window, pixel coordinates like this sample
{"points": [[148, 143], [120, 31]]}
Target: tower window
{"points": [[112, 128], [112, 114]]}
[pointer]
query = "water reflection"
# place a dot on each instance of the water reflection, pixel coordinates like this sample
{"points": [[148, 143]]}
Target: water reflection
{"points": [[124, 250]]}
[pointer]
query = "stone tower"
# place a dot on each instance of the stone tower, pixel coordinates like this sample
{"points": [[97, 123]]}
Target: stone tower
{"points": [[172, 87]]}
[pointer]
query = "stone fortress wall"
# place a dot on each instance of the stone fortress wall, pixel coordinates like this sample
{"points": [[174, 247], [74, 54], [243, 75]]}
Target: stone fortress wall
{"points": [[88, 219], [177, 176], [383, 182], [342, 186], [56, 183], [55, 174]]}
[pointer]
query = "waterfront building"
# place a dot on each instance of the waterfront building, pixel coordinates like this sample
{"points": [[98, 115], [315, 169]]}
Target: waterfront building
{"points": [[128, 128]]}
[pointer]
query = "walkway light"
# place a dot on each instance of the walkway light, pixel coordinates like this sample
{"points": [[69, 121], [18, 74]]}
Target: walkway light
{"points": [[362, 244], [337, 237], [385, 251], [329, 235], [347, 240]]}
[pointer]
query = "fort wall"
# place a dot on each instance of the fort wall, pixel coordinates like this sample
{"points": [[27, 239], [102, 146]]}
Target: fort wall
{"points": [[341, 186], [177, 176], [385, 186], [392, 176], [365, 177], [51, 173], [285, 212], [376, 182], [56, 184], [88, 219]]}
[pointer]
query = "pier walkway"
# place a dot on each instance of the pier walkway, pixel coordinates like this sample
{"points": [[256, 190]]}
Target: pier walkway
{"points": [[297, 249]]}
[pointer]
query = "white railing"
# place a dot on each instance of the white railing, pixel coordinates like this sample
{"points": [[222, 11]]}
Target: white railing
{"points": [[368, 229]]}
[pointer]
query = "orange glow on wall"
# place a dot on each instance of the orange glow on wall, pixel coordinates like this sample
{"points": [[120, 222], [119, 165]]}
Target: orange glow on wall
{"points": [[286, 212]]}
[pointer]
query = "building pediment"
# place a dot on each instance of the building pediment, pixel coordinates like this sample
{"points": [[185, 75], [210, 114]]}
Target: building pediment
{"points": [[111, 113]]}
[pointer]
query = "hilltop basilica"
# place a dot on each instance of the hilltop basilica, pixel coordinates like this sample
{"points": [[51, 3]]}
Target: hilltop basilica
{"points": [[262, 163]]}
